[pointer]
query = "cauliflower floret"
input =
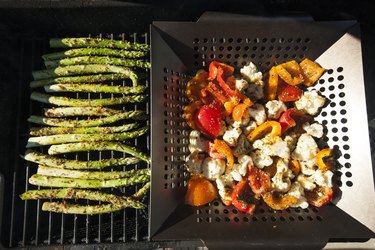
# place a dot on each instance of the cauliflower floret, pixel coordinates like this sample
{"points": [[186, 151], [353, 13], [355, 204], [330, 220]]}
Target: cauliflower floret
{"points": [[308, 167], [291, 140], [314, 129], [255, 90], [296, 190], [258, 112], [225, 185], [243, 146], [260, 159], [323, 179], [281, 180], [213, 168], [273, 146], [194, 162], [245, 160], [231, 136], [275, 108], [307, 182], [310, 102], [250, 73], [249, 127], [241, 84], [306, 148], [197, 143], [238, 171]]}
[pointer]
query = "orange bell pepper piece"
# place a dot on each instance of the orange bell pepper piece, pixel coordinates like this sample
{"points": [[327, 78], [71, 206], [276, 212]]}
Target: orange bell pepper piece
{"points": [[195, 85], [272, 84], [189, 111], [324, 153], [272, 127], [279, 201], [290, 72], [213, 70], [222, 148], [239, 110], [200, 191], [294, 166], [311, 71], [229, 106]]}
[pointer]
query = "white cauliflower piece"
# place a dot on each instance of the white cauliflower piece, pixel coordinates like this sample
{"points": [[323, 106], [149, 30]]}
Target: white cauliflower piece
{"points": [[241, 84], [310, 102], [243, 146], [281, 180], [275, 108], [307, 182], [258, 112], [260, 159], [323, 179], [308, 167], [193, 162], [224, 186], [255, 90], [223, 128], [297, 191], [249, 127], [306, 148], [238, 171], [291, 140], [231, 136], [213, 168], [250, 73], [245, 160], [273, 146], [196, 142], [314, 129]]}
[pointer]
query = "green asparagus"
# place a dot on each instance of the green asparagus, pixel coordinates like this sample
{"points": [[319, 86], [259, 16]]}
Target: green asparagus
{"points": [[142, 191], [79, 174], [94, 88], [68, 208], [66, 138], [83, 60], [51, 181], [56, 162], [94, 52], [97, 146], [95, 42], [42, 131], [80, 111], [84, 70], [59, 122], [66, 101], [72, 193], [80, 79]]}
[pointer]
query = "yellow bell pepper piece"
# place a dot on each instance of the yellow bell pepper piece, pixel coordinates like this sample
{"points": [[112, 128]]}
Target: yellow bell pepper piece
{"points": [[324, 153], [272, 127]]}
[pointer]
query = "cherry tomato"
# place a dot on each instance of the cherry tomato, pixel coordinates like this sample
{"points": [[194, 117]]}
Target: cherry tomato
{"points": [[208, 119]]}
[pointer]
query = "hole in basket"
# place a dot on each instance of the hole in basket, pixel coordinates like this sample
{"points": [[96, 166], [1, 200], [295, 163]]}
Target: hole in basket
{"points": [[245, 219], [348, 174], [333, 112], [217, 219], [341, 86], [345, 138], [332, 104], [300, 218], [236, 219], [334, 130], [331, 87], [319, 218], [291, 218], [230, 40], [346, 147], [347, 156], [226, 219], [342, 103], [282, 218], [264, 218], [340, 77], [344, 120], [343, 111], [347, 165], [340, 69], [330, 71], [341, 94]]}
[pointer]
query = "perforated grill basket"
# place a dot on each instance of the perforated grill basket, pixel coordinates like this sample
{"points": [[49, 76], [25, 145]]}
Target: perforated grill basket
{"points": [[179, 49]]}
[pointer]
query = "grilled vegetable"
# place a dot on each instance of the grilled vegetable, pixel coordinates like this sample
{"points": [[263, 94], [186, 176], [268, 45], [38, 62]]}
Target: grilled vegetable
{"points": [[79, 111], [208, 120], [200, 191], [51, 181], [84, 130], [68, 208], [79, 174], [272, 127], [290, 72], [93, 52], [279, 201], [134, 114], [72, 193], [94, 88], [96, 43], [288, 93], [273, 81], [311, 71], [322, 157], [97, 146], [243, 197], [56, 162], [142, 191]]}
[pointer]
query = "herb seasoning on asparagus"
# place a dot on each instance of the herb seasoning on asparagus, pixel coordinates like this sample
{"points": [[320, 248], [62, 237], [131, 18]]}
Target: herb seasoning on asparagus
{"points": [[94, 88]]}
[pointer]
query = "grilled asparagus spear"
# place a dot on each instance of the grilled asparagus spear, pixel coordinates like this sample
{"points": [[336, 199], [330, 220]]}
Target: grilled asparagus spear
{"points": [[72, 193], [97, 146], [83, 60], [80, 79], [56, 162], [96, 43], [58, 122], [79, 174], [80, 111], [93, 52], [51, 181], [66, 101], [68, 208], [84, 70], [141, 192], [94, 88], [66, 138], [42, 131]]}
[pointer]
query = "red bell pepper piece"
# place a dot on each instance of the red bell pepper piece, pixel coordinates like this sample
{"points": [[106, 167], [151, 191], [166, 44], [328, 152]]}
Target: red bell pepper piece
{"points": [[218, 93], [208, 119], [286, 120], [288, 93], [243, 197], [213, 70], [259, 180], [319, 196]]}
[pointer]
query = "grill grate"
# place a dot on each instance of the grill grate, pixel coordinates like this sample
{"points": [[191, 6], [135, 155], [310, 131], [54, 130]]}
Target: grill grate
{"points": [[28, 225]]}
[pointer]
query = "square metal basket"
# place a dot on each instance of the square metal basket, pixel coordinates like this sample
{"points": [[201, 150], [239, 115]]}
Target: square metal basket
{"points": [[179, 49]]}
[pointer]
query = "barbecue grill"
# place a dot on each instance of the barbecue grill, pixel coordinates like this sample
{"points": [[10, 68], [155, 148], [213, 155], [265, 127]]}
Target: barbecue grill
{"points": [[169, 223]]}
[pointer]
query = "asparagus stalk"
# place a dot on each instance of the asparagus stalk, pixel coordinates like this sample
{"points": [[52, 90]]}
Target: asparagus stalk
{"points": [[58, 122], [93, 52], [84, 70], [79, 174], [142, 192], [85, 130], [66, 138], [83, 60], [80, 79], [96, 43], [51, 181], [94, 88], [56, 162], [72, 193], [66, 101], [97, 146], [68, 208], [80, 111]]}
